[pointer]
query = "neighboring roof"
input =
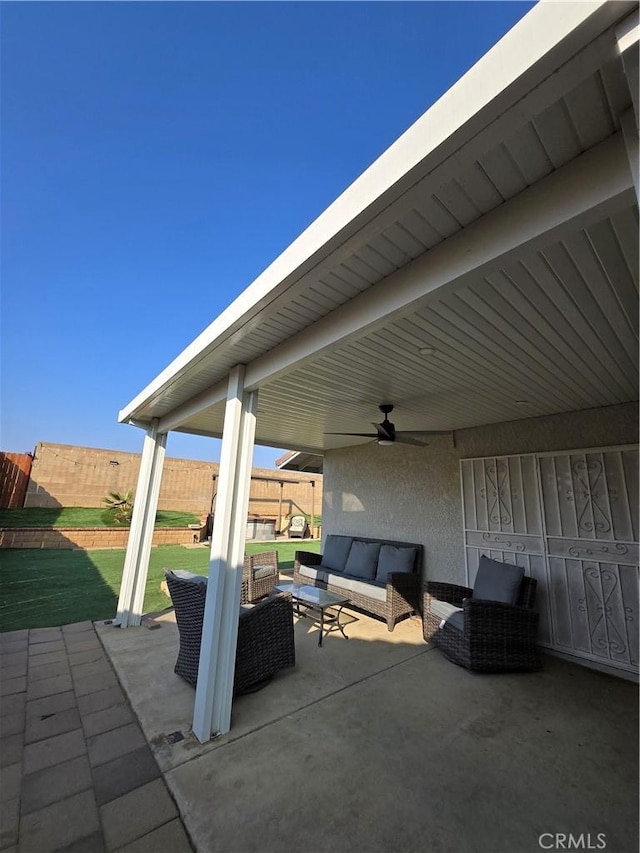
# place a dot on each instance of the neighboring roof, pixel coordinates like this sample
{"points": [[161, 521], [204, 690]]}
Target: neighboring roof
{"points": [[294, 461], [499, 232]]}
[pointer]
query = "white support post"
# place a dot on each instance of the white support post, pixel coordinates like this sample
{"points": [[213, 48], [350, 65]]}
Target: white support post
{"points": [[313, 509], [136, 563], [214, 692]]}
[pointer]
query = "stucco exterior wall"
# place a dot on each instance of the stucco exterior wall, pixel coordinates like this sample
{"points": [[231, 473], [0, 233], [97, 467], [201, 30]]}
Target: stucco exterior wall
{"points": [[413, 493]]}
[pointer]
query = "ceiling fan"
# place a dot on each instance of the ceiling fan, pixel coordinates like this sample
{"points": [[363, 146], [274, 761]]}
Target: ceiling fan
{"points": [[387, 434]]}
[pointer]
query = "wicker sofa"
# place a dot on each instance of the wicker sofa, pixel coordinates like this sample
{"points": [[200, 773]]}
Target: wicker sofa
{"points": [[380, 576], [265, 633]]}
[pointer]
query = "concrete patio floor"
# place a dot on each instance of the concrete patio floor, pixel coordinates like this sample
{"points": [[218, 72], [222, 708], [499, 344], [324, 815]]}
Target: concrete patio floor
{"points": [[377, 743]]}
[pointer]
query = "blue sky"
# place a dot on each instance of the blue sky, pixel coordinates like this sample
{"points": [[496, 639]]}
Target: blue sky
{"points": [[156, 157]]}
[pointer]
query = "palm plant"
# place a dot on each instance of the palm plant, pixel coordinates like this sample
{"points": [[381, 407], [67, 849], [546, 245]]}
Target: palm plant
{"points": [[119, 505]]}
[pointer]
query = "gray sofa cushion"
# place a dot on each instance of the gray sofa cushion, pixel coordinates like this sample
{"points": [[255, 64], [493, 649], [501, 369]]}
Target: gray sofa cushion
{"points": [[497, 581], [336, 551], [314, 573], [363, 559], [457, 620], [443, 609], [341, 581], [395, 558], [368, 589]]}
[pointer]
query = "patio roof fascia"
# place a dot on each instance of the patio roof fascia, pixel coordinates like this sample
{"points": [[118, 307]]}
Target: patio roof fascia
{"points": [[540, 43]]}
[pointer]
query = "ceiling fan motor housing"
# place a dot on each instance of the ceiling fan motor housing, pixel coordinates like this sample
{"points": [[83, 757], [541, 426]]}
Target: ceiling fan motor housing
{"points": [[386, 425]]}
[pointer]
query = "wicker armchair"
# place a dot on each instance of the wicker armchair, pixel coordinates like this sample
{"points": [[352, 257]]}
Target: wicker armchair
{"points": [[259, 576], [484, 636], [265, 634]]}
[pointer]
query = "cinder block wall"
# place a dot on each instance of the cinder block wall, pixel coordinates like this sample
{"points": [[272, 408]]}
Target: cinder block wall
{"points": [[69, 475], [86, 537]]}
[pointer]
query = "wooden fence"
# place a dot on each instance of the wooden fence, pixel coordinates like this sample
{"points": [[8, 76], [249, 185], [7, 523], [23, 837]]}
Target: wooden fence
{"points": [[15, 469]]}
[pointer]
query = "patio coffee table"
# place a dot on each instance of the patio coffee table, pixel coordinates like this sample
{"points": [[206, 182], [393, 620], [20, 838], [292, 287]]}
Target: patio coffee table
{"points": [[317, 599]]}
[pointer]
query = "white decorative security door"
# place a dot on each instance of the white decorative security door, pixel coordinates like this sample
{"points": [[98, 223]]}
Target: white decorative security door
{"points": [[503, 519], [590, 504], [571, 520]]}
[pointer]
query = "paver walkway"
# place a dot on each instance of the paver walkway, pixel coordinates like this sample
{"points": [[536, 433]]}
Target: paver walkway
{"points": [[76, 773]]}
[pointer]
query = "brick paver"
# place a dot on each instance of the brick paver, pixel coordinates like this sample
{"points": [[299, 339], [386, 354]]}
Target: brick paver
{"points": [[109, 745], [53, 750], [91, 702], [137, 813], [11, 749], [170, 837], [60, 824], [109, 718], [55, 783], [13, 704], [38, 649], [76, 773], [51, 704], [48, 725], [11, 781]]}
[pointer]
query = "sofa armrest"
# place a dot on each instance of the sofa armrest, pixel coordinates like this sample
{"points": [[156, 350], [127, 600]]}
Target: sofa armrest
{"points": [[494, 618], [404, 580], [307, 558], [404, 586], [450, 592]]}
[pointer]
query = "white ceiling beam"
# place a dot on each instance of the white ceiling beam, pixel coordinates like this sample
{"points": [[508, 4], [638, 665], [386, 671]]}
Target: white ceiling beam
{"points": [[628, 32], [275, 441], [196, 404], [566, 199], [628, 36]]}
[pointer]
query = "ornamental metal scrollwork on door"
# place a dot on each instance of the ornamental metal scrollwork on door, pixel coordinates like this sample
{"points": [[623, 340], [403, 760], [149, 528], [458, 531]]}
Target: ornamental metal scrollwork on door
{"points": [[497, 491], [502, 519], [571, 519], [590, 502]]}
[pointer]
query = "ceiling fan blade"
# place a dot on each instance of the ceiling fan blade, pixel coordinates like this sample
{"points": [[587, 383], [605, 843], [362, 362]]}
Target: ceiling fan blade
{"points": [[424, 432], [385, 431], [404, 439], [358, 434]]}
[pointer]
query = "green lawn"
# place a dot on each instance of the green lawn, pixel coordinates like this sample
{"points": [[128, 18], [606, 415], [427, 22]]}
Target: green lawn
{"points": [[45, 588], [77, 516]]}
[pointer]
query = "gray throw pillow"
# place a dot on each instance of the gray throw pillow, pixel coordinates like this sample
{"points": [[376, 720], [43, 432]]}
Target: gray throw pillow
{"points": [[395, 558], [336, 551], [497, 581], [363, 559]]}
